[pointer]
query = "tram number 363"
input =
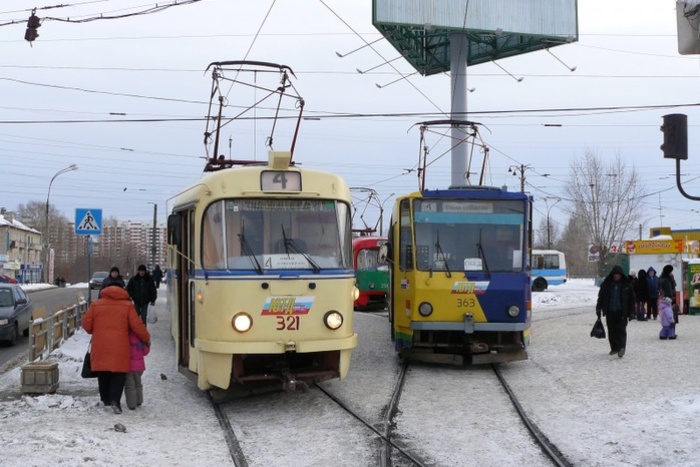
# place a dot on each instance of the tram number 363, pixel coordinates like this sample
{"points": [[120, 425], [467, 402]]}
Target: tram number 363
{"points": [[289, 323], [466, 302]]}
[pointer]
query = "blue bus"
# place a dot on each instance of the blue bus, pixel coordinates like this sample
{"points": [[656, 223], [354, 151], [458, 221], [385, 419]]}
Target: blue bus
{"points": [[548, 268]]}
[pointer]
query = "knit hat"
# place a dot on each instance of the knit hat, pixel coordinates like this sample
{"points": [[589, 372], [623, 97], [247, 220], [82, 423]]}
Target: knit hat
{"points": [[667, 269], [114, 269], [142, 268], [667, 300]]}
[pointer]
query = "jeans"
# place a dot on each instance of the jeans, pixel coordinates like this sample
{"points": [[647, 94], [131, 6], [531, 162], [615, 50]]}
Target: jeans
{"points": [[653, 307], [142, 311]]}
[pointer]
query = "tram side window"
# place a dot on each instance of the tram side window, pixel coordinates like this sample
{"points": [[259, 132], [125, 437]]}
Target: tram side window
{"points": [[405, 242], [213, 237]]}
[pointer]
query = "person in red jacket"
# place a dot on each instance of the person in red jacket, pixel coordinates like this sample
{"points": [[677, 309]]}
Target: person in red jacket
{"points": [[109, 319]]}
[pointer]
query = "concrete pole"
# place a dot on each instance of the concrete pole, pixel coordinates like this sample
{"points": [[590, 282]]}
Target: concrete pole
{"points": [[458, 83]]}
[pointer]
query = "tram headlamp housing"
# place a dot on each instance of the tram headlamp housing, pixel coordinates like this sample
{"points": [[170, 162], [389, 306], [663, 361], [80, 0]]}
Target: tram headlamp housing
{"points": [[425, 309], [333, 320], [513, 310], [355, 293], [242, 322]]}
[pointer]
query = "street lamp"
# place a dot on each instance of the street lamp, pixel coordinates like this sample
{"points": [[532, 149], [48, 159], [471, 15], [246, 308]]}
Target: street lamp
{"points": [[70, 168], [549, 230]]}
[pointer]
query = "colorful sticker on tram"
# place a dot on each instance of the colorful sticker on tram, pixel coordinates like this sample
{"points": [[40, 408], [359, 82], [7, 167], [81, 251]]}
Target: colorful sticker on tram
{"points": [[275, 306], [467, 287], [405, 283]]}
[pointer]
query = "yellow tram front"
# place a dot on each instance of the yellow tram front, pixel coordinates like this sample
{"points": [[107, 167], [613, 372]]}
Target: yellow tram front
{"points": [[263, 283]]}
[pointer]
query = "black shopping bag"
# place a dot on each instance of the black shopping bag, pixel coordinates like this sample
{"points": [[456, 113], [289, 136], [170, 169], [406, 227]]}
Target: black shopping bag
{"points": [[598, 330], [87, 372]]}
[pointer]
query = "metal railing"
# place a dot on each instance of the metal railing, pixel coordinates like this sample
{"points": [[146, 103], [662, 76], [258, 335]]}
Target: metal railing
{"points": [[47, 334]]}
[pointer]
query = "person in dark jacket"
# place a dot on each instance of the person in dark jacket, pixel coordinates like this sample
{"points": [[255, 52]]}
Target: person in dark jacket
{"points": [[114, 278], [142, 291], [157, 276], [653, 303], [641, 294], [616, 303], [667, 288]]}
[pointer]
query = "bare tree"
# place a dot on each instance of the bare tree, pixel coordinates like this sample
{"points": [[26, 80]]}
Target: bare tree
{"points": [[574, 243], [608, 197], [547, 234]]}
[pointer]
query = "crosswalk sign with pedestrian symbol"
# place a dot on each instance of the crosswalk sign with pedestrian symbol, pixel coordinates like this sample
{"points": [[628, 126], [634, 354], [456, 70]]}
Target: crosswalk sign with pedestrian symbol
{"points": [[88, 221]]}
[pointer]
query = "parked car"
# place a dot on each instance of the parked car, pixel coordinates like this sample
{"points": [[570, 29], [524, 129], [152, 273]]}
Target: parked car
{"points": [[4, 278], [15, 313], [97, 278]]}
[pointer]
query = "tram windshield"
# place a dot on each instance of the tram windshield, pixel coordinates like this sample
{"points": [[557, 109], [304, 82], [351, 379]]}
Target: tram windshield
{"points": [[263, 234], [468, 235], [368, 260]]}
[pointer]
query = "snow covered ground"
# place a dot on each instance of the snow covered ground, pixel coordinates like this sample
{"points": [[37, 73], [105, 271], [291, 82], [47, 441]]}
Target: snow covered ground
{"points": [[639, 410]]}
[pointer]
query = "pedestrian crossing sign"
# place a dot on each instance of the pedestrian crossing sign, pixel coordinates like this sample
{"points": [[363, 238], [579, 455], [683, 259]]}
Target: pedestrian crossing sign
{"points": [[88, 221]]}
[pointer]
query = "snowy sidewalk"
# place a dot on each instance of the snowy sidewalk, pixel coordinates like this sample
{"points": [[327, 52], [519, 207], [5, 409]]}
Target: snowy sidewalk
{"points": [[176, 424]]}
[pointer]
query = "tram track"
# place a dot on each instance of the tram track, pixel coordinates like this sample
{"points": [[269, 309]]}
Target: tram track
{"points": [[234, 447], [548, 448], [424, 415]]}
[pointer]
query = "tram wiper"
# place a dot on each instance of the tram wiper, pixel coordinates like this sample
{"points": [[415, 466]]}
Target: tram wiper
{"points": [[248, 250], [441, 253], [290, 243], [482, 254]]}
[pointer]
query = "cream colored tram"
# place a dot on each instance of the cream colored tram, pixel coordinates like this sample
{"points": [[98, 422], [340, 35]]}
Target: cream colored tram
{"points": [[260, 275]]}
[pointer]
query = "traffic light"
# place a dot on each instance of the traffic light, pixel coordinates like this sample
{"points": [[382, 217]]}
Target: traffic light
{"points": [[33, 23], [675, 130]]}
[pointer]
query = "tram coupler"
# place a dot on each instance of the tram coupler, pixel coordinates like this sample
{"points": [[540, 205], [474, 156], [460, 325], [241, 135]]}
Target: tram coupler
{"points": [[291, 384]]}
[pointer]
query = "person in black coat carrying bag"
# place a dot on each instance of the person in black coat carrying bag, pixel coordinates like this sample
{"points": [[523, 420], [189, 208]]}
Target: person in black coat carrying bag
{"points": [[142, 291], [616, 302]]}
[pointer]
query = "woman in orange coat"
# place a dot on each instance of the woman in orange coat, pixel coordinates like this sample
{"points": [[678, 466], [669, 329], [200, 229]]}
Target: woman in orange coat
{"points": [[109, 319]]}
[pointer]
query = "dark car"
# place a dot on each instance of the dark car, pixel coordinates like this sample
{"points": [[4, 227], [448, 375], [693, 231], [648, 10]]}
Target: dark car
{"points": [[97, 278], [15, 313]]}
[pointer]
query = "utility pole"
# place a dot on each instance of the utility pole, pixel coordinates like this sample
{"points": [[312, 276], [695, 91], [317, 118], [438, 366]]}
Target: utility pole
{"points": [[549, 228], [519, 169]]}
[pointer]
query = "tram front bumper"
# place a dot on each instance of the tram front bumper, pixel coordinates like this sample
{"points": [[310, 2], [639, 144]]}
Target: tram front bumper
{"points": [[276, 347], [468, 326]]}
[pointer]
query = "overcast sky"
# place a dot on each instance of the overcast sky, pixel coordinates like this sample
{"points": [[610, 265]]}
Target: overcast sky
{"points": [[626, 56]]}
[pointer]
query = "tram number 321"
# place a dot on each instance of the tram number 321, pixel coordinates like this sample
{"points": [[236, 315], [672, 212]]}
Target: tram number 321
{"points": [[466, 303], [289, 323]]}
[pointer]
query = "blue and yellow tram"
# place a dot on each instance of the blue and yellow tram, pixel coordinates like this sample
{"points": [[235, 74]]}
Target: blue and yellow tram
{"points": [[262, 283], [460, 286]]}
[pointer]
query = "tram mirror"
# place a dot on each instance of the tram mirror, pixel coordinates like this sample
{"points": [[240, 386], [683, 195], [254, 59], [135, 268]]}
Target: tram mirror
{"points": [[174, 226], [383, 254]]}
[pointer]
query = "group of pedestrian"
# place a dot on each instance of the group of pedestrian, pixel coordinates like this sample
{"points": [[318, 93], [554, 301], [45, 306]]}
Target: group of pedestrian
{"points": [[120, 341], [622, 298]]}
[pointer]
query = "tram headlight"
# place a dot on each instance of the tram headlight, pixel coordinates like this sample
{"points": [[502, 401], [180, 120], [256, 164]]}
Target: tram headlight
{"points": [[425, 309], [333, 320], [242, 322], [513, 310], [355, 293], [199, 296]]}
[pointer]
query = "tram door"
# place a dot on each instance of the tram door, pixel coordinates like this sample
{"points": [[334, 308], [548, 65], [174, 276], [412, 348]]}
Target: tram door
{"points": [[181, 236]]}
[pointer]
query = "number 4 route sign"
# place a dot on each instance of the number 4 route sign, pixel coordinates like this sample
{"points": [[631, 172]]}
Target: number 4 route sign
{"points": [[88, 221]]}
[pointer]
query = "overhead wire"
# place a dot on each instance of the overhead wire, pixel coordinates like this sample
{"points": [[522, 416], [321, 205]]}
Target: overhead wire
{"points": [[382, 57]]}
